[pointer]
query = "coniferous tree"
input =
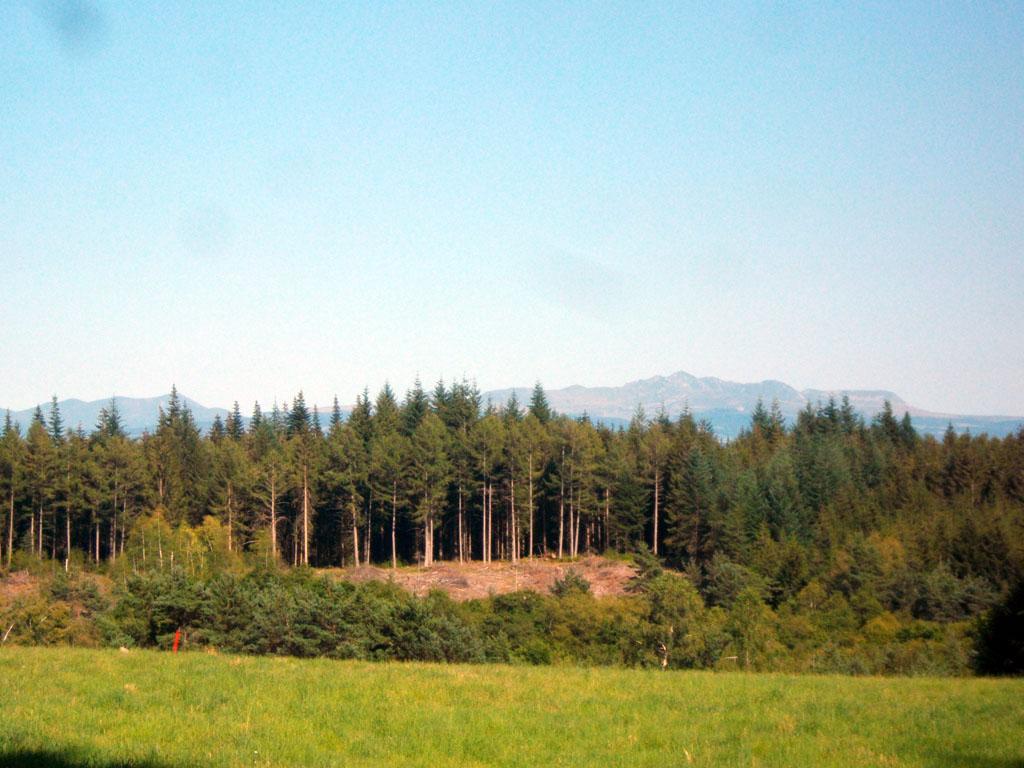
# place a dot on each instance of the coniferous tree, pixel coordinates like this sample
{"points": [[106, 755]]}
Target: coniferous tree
{"points": [[539, 406], [11, 479], [430, 472]]}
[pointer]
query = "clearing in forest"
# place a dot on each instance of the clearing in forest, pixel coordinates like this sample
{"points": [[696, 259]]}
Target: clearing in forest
{"points": [[469, 580]]}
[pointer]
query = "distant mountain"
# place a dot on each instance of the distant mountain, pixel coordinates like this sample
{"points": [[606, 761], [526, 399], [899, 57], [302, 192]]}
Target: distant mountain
{"points": [[138, 414], [728, 404]]}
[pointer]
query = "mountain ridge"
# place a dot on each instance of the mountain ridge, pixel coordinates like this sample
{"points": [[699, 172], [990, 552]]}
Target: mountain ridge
{"points": [[727, 405]]}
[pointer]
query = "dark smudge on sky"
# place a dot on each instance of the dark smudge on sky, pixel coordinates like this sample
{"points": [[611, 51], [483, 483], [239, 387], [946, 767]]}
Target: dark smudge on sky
{"points": [[78, 25]]}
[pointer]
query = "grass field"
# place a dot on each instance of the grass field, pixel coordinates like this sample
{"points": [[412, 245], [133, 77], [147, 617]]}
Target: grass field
{"points": [[67, 707]]}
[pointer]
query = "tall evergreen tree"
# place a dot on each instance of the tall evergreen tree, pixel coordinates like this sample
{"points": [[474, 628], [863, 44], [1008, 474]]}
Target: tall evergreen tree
{"points": [[539, 406]]}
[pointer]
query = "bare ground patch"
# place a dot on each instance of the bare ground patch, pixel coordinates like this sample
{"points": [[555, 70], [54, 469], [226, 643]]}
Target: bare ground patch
{"points": [[468, 581]]}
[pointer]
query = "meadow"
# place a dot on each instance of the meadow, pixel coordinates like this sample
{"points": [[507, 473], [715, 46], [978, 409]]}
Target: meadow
{"points": [[105, 708]]}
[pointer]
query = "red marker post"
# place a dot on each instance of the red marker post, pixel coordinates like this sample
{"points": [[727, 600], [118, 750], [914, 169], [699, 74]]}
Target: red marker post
{"points": [[177, 639]]}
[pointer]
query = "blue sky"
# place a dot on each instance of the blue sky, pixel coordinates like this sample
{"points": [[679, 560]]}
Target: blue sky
{"points": [[250, 198]]}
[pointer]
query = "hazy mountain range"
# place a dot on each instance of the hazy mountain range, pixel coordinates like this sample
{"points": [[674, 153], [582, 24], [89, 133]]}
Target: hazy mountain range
{"points": [[726, 404], [138, 414]]}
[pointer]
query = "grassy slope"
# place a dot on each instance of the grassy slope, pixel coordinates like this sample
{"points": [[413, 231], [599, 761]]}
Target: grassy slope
{"points": [[79, 707]]}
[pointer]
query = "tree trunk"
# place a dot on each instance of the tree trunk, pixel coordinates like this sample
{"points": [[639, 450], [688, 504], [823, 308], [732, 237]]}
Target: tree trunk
{"points": [[529, 502], [273, 515], [428, 541], [112, 554], [657, 486], [394, 524], [460, 523], [483, 522], [561, 516], [355, 532], [305, 514], [113, 520], [513, 530], [10, 527], [368, 536], [67, 538]]}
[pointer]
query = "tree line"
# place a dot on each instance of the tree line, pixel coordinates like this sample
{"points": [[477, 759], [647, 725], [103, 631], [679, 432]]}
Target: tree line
{"points": [[862, 506]]}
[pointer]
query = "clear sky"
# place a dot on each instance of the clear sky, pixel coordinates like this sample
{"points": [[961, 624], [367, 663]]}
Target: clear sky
{"points": [[249, 198]]}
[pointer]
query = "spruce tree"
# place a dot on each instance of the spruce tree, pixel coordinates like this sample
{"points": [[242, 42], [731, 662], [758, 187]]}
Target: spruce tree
{"points": [[539, 406], [55, 423]]}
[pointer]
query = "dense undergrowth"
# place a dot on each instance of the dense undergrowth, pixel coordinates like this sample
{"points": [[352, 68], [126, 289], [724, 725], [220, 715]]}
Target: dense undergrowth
{"points": [[663, 621]]}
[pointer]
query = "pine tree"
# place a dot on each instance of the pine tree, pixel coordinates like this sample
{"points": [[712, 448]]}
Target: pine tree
{"points": [[235, 428], [539, 406], [690, 509], [299, 420], [55, 423], [430, 472], [336, 419], [414, 408], [11, 480], [347, 472], [257, 417]]}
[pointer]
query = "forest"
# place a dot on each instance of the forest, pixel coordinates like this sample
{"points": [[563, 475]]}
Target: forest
{"points": [[790, 535]]}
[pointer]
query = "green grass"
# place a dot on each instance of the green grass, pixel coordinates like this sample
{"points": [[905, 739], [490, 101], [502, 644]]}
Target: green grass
{"points": [[68, 707]]}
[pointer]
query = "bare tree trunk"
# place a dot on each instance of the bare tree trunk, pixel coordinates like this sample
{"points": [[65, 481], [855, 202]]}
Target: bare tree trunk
{"points": [[657, 487], [544, 535], [369, 531], [483, 522], [485, 532], [428, 541], [529, 502], [513, 532], [490, 524], [355, 532], [273, 514], [579, 520], [460, 523], [394, 524], [305, 514], [113, 520], [572, 522], [10, 527], [561, 510], [67, 538]]}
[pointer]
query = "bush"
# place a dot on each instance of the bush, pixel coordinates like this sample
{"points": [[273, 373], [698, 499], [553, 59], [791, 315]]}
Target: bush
{"points": [[999, 647], [571, 583]]}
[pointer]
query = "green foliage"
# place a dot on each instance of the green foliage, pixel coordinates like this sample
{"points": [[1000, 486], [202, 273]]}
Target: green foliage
{"points": [[1000, 639], [571, 583], [841, 530]]}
